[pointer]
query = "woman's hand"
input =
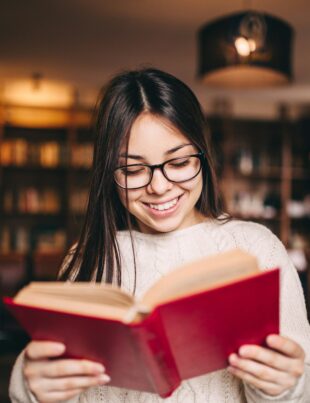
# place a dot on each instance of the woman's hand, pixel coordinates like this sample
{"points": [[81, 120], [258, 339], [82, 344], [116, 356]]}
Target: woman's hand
{"points": [[59, 379], [273, 370]]}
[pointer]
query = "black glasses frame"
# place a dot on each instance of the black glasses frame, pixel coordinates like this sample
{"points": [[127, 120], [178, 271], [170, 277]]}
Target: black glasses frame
{"points": [[199, 155]]}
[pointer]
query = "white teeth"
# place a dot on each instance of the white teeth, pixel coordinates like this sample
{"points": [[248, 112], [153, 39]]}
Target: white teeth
{"points": [[164, 206]]}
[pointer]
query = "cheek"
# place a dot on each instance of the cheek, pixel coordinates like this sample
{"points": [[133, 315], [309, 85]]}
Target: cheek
{"points": [[132, 196], [194, 186]]}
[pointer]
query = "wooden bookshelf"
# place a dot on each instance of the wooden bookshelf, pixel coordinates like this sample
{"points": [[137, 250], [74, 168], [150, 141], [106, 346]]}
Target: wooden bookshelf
{"points": [[264, 169], [44, 179]]}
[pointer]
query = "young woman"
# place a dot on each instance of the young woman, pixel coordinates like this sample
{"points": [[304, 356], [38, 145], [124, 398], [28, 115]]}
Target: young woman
{"points": [[154, 203]]}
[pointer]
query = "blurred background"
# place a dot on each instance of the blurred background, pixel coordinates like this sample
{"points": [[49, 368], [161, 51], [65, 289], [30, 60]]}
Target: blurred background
{"points": [[56, 55]]}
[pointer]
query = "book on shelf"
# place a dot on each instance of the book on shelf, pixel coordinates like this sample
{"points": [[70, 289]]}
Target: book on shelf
{"points": [[185, 325], [32, 200], [82, 155], [20, 152], [50, 154]]}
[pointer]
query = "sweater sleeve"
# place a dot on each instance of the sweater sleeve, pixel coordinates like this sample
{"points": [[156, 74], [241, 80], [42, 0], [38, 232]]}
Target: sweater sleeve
{"points": [[293, 323], [18, 389]]}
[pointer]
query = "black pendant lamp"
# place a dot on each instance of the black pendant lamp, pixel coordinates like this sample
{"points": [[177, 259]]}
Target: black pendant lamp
{"points": [[247, 49]]}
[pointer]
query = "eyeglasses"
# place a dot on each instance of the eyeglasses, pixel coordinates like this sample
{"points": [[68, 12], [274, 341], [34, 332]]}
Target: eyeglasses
{"points": [[135, 176]]}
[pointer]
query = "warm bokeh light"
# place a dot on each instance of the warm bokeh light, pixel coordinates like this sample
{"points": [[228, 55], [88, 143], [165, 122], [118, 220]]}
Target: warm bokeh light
{"points": [[245, 46], [37, 102], [41, 93], [44, 117]]}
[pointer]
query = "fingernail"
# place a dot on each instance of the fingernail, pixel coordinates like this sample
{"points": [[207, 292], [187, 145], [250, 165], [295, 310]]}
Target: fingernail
{"points": [[242, 350], [99, 368], [232, 358], [60, 348], [271, 338], [104, 378]]}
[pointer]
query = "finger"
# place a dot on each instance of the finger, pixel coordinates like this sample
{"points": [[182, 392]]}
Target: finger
{"points": [[285, 346], [50, 397], [261, 371], [37, 350], [267, 387], [74, 382], [265, 356], [60, 368]]}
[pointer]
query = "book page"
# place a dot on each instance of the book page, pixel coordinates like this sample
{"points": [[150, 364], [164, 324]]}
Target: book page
{"points": [[100, 294], [200, 275], [61, 304]]}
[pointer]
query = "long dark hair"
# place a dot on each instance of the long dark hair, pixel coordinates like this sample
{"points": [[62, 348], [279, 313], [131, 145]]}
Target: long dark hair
{"points": [[96, 254]]}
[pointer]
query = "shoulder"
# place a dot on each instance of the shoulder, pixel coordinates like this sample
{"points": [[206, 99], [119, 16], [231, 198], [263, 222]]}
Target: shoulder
{"points": [[247, 231], [256, 239]]}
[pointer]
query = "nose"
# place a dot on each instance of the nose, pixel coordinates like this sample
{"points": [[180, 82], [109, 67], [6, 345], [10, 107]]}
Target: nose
{"points": [[159, 183]]}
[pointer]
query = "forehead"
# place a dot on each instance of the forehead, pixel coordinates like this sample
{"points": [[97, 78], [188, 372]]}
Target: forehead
{"points": [[150, 132]]}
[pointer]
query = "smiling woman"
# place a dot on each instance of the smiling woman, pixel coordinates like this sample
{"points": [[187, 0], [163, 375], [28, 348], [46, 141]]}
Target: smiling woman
{"points": [[141, 122], [154, 204]]}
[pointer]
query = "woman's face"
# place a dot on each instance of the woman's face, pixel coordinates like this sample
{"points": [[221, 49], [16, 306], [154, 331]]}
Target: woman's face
{"points": [[161, 206]]}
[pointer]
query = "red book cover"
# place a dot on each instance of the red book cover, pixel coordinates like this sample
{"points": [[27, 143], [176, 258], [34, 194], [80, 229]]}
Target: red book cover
{"points": [[181, 339]]}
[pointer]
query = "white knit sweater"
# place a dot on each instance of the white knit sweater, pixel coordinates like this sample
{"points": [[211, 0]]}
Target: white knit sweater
{"points": [[159, 254]]}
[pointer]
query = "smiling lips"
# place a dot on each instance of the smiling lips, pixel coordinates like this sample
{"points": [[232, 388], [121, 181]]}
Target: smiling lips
{"points": [[163, 206]]}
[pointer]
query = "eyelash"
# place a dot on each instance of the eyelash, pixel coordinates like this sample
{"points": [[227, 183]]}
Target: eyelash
{"points": [[127, 172]]}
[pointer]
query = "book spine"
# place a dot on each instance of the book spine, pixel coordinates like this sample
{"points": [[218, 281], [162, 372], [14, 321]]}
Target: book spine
{"points": [[155, 349]]}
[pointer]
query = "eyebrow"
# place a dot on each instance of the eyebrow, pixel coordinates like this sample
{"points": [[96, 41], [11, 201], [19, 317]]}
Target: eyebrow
{"points": [[168, 152]]}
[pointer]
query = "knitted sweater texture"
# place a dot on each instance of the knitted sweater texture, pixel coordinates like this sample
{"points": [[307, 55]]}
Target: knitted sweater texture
{"points": [[157, 255]]}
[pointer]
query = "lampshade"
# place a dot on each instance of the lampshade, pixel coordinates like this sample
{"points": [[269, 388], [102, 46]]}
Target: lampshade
{"points": [[247, 49], [43, 93], [37, 102]]}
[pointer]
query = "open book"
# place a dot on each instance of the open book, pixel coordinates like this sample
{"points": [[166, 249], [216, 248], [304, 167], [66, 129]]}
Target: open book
{"points": [[185, 325]]}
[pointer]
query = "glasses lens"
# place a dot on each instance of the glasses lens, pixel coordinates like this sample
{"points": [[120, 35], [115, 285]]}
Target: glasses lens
{"points": [[182, 169], [132, 176]]}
